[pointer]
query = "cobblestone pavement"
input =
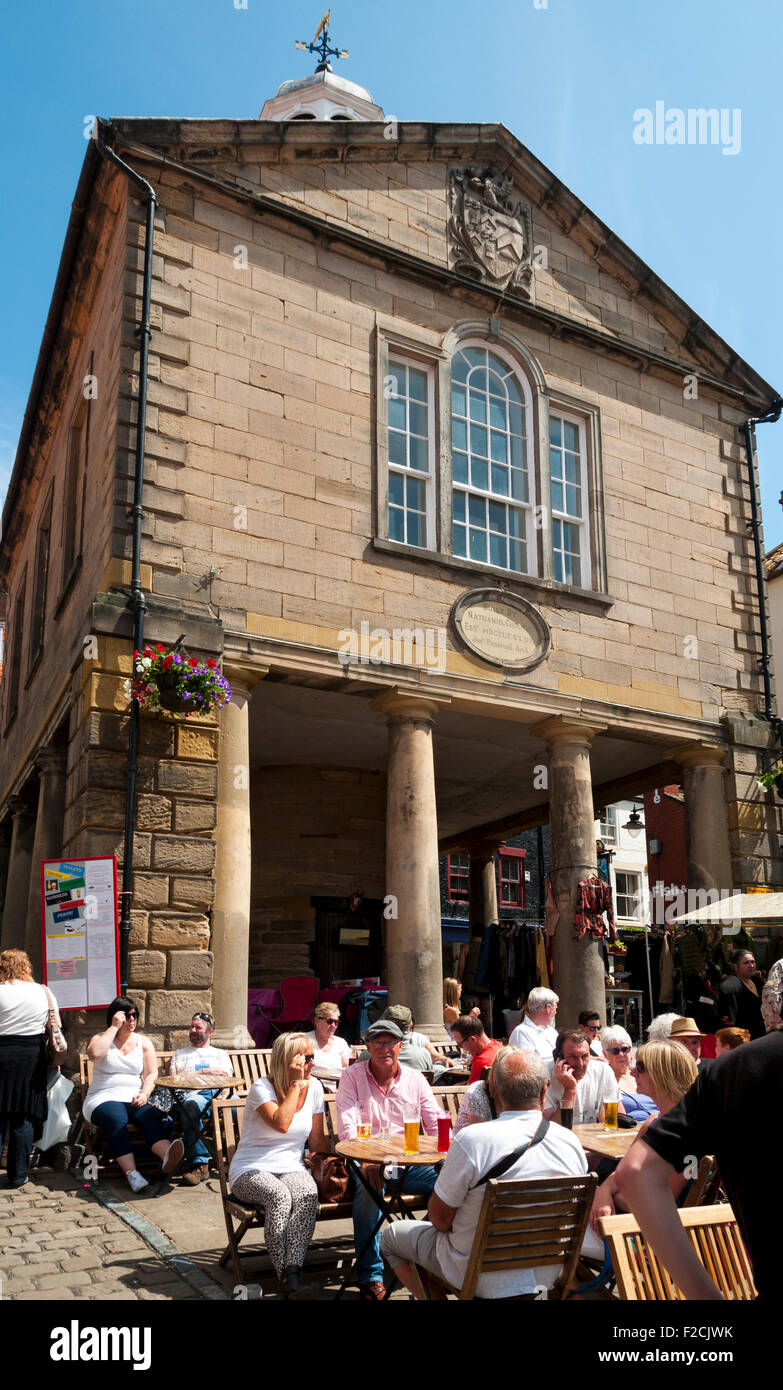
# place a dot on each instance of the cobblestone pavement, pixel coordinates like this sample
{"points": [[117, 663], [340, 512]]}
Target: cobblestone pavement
{"points": [[60, 1241]]}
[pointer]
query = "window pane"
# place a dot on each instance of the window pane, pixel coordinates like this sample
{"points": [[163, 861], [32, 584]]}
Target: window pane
{"points": [[396, 447], [474, 356], [478, 546], [497, 550], [497, 413], [478, 380], [459, 367], [459, 541], [479, 474], [497, 517], [572, 501], [458, 505], [458, 401], [396, 489], [516, 522], [555, 430], [414, 494], [557, 496], [500, 480], [478, 440], [459, 434], [570, 436], [571, 468], [516, 420], [419, 454], [498, 446], [417, 384], [416, 533], [478, 407], [418, 418], [397, 412], [477, 511], [396, 524], [516, 557], [460, 468], [398, 376], [519, 485]]}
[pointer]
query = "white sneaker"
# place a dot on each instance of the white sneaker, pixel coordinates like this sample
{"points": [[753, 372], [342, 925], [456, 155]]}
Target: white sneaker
{"points": [[136, 1181]]}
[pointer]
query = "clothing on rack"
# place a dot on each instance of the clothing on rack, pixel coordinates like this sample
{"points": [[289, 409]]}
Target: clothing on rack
{"points": [[666, 991]]}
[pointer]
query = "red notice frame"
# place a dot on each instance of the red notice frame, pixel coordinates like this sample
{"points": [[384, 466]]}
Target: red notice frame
{"points": [[83, 859]]}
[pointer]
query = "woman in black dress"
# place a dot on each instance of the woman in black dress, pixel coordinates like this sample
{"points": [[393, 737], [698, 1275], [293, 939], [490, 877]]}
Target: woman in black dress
{"points": [[24, 1013], [739, 997]]}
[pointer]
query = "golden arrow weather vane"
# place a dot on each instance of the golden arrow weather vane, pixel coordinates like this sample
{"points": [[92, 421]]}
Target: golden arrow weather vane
{"points": [[324, 49]]}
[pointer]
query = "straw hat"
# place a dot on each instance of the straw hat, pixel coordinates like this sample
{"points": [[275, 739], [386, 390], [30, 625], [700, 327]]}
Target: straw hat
{"points": [[685, 1028]]}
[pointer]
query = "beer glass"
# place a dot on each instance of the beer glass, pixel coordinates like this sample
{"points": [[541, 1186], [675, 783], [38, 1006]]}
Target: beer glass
{"points": [[444, 1133], [364, 1123], [610, 1116], [411, 1123]]}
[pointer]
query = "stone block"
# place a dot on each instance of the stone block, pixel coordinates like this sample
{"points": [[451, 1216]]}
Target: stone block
{"points": [[146, 968], [150, 890], [153, 812], [194, 815], [197, 743], [194, 779], [139, 932], [190, 969], [175, 1008], [105, 843], [192, 892], [178, 931], [180, 852], [106, 769]]}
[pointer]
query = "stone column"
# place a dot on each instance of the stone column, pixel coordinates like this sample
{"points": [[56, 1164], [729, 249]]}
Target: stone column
{"points": [[6, 830], [413, 937], [18, 884], [48, 842], [483, 885], [231, 911], [578, 965], [708, 852]]}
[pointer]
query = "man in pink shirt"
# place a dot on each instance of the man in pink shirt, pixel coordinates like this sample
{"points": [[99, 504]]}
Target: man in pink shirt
{"points": [[391, 1094]]}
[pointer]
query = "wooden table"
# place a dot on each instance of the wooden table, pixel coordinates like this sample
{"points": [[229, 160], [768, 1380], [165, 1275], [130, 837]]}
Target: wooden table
{"points": [[381, 1149], [199, 1081], [613, 1145]]}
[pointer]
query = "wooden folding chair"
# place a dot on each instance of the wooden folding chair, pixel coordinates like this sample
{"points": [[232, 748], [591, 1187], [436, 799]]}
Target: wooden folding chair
{"points": [[714, 1235], [705, 1187], [227, 1117], [529, 1224]]}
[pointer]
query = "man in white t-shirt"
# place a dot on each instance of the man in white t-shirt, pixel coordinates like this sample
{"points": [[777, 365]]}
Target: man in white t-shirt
{"points": [[442, 1244], [537, 1032], [577, 1082], [200, 1056]]}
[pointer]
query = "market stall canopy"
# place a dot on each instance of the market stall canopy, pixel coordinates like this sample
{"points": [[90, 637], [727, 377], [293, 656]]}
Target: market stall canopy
{"points": [[745, 908]]}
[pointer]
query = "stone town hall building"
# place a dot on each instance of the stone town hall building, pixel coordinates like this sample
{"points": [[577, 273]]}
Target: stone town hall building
{"points": [[453, 486]]}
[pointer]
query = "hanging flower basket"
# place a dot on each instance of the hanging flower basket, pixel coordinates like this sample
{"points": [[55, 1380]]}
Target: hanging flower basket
{"points": [[174, 681], [774, 779]]}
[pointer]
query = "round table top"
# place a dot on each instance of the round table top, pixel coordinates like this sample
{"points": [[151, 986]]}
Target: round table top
{"points": [[198, 1081], [612, 1145], [380, 1148]]}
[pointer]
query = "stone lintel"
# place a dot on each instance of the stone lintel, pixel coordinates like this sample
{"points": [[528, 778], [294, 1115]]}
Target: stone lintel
{"points": [[563, 728]]}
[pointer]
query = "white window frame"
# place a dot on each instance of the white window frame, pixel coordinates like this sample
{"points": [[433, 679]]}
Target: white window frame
{"points": [[612, 838], [428, 478], [583, 523], [526, 509], [638, 915]]}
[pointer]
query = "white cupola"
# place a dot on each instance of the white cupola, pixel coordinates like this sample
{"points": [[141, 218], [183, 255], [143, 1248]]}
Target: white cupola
{"points": [[322, 96]]}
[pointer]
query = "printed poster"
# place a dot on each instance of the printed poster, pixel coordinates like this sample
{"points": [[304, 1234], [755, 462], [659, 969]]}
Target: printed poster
{"points": [[81, 931]]}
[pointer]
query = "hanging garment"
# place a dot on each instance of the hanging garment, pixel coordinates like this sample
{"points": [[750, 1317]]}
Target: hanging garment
{"points": [[542, 966], [666, 994], [593, 899], [551, 911]]}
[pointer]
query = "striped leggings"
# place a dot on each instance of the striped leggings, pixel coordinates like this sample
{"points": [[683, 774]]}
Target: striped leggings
{"points": [[290, 1202]]}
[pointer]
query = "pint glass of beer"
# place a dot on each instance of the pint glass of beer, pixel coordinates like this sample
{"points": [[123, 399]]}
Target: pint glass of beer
{"points": [[411, 1134], [610, 1116], [364, 1123]]}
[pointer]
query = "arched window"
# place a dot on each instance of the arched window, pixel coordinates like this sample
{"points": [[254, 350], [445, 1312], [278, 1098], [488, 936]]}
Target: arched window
{"points": [[493, 482]]}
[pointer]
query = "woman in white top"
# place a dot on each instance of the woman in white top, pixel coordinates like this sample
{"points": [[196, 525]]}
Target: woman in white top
{"points": [[332, 1054], [24, 1010], [282, 1114], [124, 1072]]}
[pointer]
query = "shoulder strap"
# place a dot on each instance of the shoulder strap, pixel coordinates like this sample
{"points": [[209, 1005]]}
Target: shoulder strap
{"points": [[510, 1159]]}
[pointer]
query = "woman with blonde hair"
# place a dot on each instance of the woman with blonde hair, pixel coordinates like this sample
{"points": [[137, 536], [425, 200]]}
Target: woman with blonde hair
{"points": [[332, 1053], [663, 1071], [282, 1114], [452, 994], [25, 1009]]}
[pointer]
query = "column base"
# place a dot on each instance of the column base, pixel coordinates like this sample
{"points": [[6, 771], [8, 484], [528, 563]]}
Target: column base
{"points": [[436, 1032]]}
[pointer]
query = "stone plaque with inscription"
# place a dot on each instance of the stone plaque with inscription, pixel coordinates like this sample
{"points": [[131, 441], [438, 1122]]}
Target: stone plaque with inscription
{"points": [[502, 629]]}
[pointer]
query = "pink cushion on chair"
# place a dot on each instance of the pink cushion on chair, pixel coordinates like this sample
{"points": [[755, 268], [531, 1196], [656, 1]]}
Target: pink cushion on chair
{"points": [[299, 995]]}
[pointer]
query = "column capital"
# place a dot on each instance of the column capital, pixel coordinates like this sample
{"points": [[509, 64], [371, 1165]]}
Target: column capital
{"points": [[564, 728], [481, 849], [51, 759], [242, 676], [699, 755], [397, 703], [21, 806]]}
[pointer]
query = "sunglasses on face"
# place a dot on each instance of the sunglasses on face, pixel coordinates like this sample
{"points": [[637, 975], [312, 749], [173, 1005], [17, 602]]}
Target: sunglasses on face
{"points": [[133, 1015], [618, 1051], [593, 1027], [207, 1018], [330, 1022]]}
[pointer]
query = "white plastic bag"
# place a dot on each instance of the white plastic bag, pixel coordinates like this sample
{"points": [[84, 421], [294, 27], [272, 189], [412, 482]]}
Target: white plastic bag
{"points": [[58, 1121]]}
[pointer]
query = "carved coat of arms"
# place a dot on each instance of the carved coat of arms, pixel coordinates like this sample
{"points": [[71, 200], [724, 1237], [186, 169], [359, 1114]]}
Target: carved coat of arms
{"points": [[490, 229]]}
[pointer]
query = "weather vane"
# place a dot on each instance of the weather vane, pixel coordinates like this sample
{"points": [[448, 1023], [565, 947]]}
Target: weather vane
{"points": [[323, 48]]}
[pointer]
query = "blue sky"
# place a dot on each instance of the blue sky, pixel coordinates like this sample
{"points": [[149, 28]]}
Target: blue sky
{"points": [[566, 76]]}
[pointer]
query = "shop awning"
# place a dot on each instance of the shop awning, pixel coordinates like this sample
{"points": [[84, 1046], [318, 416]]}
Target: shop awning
{"points": [[741, 909]]}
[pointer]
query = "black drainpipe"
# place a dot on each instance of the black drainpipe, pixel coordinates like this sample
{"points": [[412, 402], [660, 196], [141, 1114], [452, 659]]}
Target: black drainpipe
{"points": [[754, 525], [137, 599]]}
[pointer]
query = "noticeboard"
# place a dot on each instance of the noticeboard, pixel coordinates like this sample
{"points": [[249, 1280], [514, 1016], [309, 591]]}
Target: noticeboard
{"points": [[81, 941]]}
